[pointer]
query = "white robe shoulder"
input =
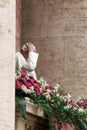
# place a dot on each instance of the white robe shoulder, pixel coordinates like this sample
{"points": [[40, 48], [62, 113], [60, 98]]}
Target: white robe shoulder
{"points": [[26, 65]]}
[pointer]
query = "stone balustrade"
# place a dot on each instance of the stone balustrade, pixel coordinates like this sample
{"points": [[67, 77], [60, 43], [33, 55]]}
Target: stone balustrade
{"points": [[34, 121]]}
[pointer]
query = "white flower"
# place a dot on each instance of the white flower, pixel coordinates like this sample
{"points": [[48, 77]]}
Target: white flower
{"points": [[31, 90], [48, 91], [48, 96], [56, 87], [61, 97], [57, 94], [81, 110], [69, 96], [32, 87], [42, 82], [23, 87], [80, 99], [67, 107]]}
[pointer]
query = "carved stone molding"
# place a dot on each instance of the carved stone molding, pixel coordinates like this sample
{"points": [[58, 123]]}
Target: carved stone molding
{"points": [[34, 121]]}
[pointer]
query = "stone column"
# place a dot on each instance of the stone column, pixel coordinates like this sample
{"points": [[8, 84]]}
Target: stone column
{"points": [[7, 64]]}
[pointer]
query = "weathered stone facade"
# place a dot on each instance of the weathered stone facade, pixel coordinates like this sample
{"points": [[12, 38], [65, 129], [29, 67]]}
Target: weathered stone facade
{"points": [[59, 30], [7, 64], [33, 122]]}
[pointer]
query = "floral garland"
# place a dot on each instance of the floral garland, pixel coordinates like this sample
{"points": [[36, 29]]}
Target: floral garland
{"points": [[57, 105]]}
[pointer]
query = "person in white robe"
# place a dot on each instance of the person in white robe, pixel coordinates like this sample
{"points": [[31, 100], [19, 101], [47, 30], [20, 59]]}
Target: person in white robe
{"points": [[26, 59]]}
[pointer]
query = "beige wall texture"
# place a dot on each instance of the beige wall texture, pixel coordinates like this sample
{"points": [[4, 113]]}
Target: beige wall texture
{"points": [[7, 64], [59, 30]]}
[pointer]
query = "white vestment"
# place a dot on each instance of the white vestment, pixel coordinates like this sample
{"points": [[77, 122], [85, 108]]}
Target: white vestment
{"points": [[27, 65]]}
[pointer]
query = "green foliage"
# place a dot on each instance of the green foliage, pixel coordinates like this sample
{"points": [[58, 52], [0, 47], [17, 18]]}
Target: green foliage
{"points": [[21, 105], [54, 108], [57, 105]]}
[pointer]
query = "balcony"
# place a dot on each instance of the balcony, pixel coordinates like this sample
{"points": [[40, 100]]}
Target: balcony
{"points": [[35, 118]]}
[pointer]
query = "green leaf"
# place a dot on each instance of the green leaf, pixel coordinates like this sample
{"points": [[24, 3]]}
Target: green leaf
{"points": [[21, 104]]}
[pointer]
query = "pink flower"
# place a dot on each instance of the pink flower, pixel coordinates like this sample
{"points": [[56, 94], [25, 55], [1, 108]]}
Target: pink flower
{"points": [[64, 94], [28, 84], [55, 123], [48, 86], [23, 74], [72, 103], [19, 83], [32, 79], [53, 118], [83, 104], [37, 87], [41, 91], [53, 93], [67, 101]]}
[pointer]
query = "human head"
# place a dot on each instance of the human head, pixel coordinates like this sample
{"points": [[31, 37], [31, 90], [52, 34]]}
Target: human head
{"points": [[24, 51], [24, 47]]}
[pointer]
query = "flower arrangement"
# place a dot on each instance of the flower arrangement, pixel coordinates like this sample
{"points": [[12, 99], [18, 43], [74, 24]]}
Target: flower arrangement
{"points": [[57, 105]]}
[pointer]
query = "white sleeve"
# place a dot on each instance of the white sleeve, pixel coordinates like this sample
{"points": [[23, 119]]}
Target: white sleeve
{"points": [[31, 63], [19, 61]]}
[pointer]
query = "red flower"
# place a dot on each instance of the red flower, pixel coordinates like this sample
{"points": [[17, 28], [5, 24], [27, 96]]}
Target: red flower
{"points": [[37, 87], [19, 83], [23, 74], [83, 104], [55, 123], [53, 93], [48, 86], [72, 103], [64, 94], [32, 79], [28, 84], [41, 91]]}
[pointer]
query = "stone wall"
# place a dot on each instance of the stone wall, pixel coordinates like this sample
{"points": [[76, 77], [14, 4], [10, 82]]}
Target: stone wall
{"points": [[59, 30], [18, 23], [7, 64]]}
